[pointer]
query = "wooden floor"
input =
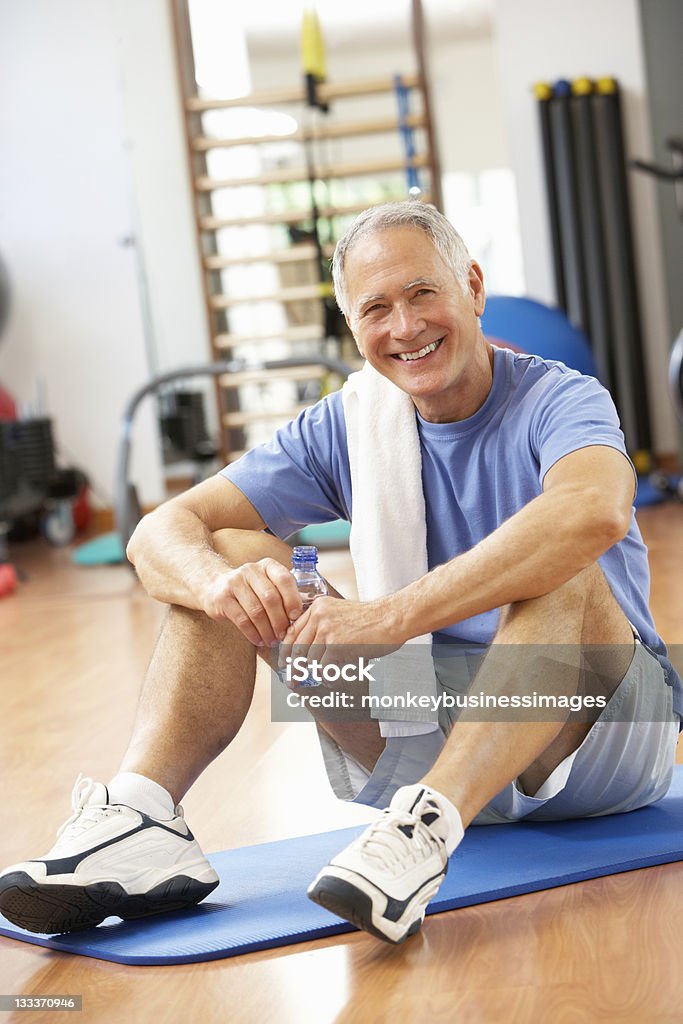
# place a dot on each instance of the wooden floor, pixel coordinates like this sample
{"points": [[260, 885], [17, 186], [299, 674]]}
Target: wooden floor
{"points": [[74, 645]]}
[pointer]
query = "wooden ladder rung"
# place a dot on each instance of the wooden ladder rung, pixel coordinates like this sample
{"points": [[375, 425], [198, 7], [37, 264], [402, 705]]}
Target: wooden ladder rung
{"points": [[291, 217], [302, 332], [295, 294], [322, 130], [291, 373], [243, 418], [326, 92], [284, 175], [297, 254]]}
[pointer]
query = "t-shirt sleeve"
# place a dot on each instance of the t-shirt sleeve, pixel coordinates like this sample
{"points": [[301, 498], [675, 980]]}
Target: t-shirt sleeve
{"points": [[574, 412], [297, 477]]}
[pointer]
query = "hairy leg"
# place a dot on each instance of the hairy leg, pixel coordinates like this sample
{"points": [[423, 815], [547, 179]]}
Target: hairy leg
{"points": [[481, 757], [200, 683]]}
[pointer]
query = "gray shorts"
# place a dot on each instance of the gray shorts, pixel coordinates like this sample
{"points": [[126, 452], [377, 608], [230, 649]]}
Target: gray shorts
{"points": [[626, 760]]}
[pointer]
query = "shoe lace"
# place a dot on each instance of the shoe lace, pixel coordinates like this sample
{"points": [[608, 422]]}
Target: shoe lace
{"points": [[84, 814], [387, 843]]}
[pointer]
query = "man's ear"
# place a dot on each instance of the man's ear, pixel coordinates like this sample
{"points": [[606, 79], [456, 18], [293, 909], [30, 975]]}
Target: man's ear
{"points": [[475, 280]]}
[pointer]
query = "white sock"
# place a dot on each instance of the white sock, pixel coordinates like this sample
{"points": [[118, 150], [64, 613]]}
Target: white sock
{"points": [[141, 793]]}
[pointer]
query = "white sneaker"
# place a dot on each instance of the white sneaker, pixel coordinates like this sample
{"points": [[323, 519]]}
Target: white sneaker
{"points": [[383, 881], [108, 859]]}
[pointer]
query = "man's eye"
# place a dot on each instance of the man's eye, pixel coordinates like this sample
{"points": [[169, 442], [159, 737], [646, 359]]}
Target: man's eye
{"points": [[372, 309], [424, 291]]}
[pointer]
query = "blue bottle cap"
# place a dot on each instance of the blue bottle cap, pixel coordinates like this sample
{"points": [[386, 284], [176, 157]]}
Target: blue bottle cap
{"points": [[305, 554]]}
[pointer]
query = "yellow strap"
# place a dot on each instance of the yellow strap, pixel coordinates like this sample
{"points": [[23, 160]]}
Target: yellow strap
{"points": [[312, 46]]}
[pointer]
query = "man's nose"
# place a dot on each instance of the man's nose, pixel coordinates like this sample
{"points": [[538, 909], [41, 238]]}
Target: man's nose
{"points": [[406, 323]]}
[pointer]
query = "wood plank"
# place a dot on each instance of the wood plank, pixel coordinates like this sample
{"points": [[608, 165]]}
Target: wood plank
{"points": [[243, 418], [297, 293], [295, 254], [320, 131], [327, 91], [290, 217], [301, 332], [266, 376], [282, 176]]}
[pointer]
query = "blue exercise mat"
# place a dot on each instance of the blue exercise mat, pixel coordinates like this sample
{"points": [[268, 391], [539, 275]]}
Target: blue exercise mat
{"points": [[261, 901]]}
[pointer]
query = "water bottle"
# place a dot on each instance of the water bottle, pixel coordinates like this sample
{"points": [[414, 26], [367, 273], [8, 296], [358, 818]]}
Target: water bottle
{"points": [[310, 585], [309, 582]]}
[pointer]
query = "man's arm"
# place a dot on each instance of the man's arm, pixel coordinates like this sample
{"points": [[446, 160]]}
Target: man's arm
{"points": [[584, 509], [174, 555]]}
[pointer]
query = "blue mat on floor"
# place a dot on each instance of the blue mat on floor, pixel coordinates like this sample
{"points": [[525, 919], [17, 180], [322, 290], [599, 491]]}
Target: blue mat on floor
{"points": [[261, 901]]}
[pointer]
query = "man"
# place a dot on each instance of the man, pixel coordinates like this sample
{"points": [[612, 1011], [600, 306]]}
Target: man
{"points": [[530, 547]]}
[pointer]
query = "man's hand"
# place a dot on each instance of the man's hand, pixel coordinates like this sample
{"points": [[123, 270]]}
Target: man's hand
{"points": [[260, 598], [335, 632]]}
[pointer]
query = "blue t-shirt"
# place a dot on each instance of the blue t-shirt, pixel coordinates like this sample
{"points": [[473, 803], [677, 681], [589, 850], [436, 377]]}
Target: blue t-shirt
{"points": [[476, 473]]}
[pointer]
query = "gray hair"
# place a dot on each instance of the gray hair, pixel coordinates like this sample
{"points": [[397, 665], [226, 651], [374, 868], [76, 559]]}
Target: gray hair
{"points": [[410, 213]]}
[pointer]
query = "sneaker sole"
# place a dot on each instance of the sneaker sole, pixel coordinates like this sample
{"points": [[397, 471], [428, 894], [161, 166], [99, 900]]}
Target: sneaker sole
{"points": [[51, 909], [348, 901]]}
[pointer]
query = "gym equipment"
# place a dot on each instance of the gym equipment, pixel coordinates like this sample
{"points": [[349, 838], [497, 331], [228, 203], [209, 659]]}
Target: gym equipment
{"points": [[540, 330], [675, 175], [35, 494], [408, 135], [127, 510], [306, 199], [629, 364], [676, 375], [544, 92], [326, 535], [564, 168], [529, 326], [590, 220], [106, 549], [597, 324], [261, 901]]}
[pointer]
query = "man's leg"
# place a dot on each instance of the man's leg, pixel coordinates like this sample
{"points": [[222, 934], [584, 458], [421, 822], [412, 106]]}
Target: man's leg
{"points": [[200, 684], [383, 881], [481, 757], [127, 850]]}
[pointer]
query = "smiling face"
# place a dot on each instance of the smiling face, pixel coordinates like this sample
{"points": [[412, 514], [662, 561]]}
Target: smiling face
{"points": [[414, 323]]}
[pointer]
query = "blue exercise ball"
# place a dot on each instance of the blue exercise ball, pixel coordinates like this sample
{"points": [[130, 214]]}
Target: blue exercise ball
{"points": [[537, 329]]}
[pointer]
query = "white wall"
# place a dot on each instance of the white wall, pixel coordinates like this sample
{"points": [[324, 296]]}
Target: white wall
{"points": [[543, 41], [84, 148], [163, 212]]}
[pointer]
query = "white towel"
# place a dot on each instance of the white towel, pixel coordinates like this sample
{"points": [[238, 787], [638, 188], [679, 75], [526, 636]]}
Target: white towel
{"points": [[388, 539]]}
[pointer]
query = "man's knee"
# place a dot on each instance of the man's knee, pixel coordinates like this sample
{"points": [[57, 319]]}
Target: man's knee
{"points": [[240, 546], [585, 599]]}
